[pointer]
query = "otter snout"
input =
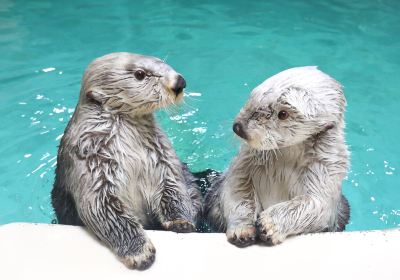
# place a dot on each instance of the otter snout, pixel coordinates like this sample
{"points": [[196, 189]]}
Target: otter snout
{"points": [[239, 130], [179, 85]]}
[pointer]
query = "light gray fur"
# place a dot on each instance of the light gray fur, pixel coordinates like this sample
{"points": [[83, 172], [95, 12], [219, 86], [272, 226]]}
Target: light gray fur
{"points": [[118, 165], [287, 177]]}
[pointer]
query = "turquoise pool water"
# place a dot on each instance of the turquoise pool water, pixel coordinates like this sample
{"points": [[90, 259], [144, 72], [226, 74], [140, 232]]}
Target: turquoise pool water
{"points": [[223, 50]]}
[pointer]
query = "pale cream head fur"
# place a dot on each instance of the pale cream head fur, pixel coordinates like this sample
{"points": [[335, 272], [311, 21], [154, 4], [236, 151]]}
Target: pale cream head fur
{"points": [[312, 100], [111, 80]]}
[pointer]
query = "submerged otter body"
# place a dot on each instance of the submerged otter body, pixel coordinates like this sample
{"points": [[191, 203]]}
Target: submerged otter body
{"points": [[287, 176], [117, 171]]}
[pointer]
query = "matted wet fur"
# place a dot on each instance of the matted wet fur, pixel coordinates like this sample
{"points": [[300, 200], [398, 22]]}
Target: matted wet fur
{"points": [[117, 172], [287, 177]]}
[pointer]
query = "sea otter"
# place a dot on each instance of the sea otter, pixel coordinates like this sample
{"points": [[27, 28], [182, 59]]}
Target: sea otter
{"points": [[287, 177], [117, 173]]}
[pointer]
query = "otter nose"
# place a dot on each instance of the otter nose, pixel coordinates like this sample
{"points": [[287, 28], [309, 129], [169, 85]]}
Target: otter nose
{"points": [[179, 85], [239, 130]]}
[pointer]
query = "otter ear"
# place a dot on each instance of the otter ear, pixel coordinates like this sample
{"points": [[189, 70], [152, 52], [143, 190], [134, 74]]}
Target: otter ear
{"points": [[95, 96]]}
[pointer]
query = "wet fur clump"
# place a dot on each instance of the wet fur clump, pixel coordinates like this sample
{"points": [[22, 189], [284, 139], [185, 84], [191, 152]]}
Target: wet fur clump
{"points": [[287, 177], [117, 172]]}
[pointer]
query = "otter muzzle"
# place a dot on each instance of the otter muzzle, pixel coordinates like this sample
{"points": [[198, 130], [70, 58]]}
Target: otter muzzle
{"points": [[179, 85], [239, 130]]}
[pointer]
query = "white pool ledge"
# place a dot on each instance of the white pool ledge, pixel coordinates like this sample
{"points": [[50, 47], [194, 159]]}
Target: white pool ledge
{"points": [[41, 251]]}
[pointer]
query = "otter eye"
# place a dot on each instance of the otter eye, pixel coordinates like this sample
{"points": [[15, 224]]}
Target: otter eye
{"points": [[283, 115], [140, 74], [255, 115]]}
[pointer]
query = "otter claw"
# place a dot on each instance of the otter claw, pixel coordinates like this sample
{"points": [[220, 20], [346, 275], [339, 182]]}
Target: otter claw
{"points": [[242, 236], [181, 226], [142, 260], [269, 232]]}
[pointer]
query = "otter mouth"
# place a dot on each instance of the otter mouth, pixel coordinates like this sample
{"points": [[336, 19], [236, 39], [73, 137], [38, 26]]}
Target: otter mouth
{"points": [[172, 96], [169, 98], [255, 145], [261, 144], [179, 96]]}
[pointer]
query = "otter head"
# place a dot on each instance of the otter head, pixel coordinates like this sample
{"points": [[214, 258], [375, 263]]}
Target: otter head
{"points": [[131, 83], [289, 108]]}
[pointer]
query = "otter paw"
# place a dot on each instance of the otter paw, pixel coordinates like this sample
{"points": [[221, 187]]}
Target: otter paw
{"points": [[268, 231], [242, 235], [142, 259], [179, 226]]}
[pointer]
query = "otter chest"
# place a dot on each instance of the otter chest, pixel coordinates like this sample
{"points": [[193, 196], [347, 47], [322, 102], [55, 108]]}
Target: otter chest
{"points": [[143, 172], [275, 180]]}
